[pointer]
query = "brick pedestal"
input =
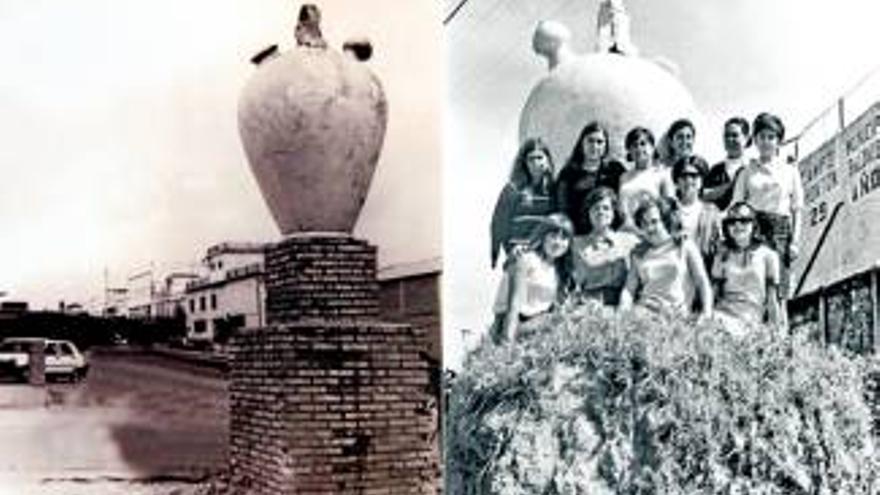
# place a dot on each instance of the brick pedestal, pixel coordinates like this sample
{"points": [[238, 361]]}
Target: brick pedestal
{"points": [[327, 399], [321, 276]]}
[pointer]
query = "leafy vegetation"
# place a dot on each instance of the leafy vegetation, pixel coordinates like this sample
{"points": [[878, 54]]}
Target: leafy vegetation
{"points": [[598, 403]]}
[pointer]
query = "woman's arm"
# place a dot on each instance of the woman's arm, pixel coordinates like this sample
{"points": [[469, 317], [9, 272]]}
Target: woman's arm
{"points": [[514, 298], [667, 187], [716, 276], [697, 270], [771, 275], [505, 209], [630, 287]]}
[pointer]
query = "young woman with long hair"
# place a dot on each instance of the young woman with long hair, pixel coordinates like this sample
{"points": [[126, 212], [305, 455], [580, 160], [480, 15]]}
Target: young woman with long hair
{"points": [[587, 168], [535, 280], [745, 274], [526, 193]]}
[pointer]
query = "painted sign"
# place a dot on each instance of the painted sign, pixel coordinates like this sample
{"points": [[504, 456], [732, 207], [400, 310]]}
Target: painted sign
{"points": [[840, 235]]}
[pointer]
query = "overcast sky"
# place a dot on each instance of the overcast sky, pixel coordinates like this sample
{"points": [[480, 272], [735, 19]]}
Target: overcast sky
{"points": [[121, 146], [790, 57]]}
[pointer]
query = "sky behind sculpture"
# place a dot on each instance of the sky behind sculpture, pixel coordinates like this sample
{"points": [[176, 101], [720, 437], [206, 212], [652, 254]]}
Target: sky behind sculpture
{"points": [[737, 58], [121, 148]]}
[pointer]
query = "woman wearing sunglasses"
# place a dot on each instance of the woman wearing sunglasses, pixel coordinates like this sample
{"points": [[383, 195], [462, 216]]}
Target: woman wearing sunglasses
{"points": [[745, 274]]}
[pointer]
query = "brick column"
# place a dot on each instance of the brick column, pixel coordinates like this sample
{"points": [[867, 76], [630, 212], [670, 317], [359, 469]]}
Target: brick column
{"points": [[321, 276], [327, 399]]}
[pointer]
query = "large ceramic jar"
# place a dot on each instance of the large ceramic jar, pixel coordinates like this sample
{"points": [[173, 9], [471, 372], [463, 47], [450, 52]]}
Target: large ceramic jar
{"points": [[620, 90], [312, 121]]}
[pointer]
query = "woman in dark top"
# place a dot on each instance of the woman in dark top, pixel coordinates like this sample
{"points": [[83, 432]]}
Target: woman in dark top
{"points": [[526, 194], [587, 168]]}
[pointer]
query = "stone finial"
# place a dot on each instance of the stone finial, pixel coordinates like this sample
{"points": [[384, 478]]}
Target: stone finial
{"points": [[308, 28], [613, 34], [551, 42]]}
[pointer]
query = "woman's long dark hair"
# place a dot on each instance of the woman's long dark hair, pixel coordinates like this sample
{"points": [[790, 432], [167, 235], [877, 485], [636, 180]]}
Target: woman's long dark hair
{"points": [[576, 158], [519, 174], [728, 242], [564, 264]]}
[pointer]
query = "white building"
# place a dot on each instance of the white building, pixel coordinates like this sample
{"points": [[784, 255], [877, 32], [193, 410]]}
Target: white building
{"points": [[169, 300], [231, 294], [140, 295]]}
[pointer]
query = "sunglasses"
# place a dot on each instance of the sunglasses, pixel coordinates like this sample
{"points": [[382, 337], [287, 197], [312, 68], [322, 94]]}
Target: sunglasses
{"points": [[740, 220]]}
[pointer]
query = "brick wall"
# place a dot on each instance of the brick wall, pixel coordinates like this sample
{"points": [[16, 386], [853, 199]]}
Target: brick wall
{"points": [[326, 399], [321, 277], [332, 408]]}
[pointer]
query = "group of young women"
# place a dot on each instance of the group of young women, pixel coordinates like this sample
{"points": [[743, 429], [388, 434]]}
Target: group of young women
{"points": [[666, 234]]}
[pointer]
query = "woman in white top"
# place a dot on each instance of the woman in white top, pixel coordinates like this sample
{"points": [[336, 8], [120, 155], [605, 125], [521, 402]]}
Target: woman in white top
{"points": [[534, 280], [745, 275], [665, 270], [646, 179], [700, 220], [773, 188]]}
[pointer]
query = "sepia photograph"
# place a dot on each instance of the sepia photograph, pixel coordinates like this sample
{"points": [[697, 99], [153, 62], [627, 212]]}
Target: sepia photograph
{"points": [[660, 247], [223, 254]]}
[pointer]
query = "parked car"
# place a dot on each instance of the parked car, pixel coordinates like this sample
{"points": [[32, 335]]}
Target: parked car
{"points": [[62, 358]]}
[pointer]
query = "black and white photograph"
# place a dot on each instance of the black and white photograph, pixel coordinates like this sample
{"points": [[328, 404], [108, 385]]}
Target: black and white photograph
{"points": [[661, 247], [222, 247]]}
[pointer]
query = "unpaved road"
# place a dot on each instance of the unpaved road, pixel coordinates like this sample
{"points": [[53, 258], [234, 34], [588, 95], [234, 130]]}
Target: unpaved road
{"points": [[135, 425]]}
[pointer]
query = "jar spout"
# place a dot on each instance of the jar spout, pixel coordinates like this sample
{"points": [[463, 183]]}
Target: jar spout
{"points": [[360, 48], [266, 53]]}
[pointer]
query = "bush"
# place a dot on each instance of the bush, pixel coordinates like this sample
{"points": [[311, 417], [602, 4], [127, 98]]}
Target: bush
{"points": [[596, 403]]}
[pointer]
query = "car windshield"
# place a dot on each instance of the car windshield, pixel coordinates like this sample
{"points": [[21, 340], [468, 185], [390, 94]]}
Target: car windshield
{"points": [[12, 347]]}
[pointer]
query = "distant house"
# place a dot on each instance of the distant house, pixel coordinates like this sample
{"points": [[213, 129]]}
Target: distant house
{"points": [[230, 294], [410, 293], [169, 300]]}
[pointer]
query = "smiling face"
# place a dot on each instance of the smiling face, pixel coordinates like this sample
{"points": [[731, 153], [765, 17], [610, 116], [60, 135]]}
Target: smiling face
{"points": [[740, 225], [683, 142], [537, 164], [688, 185], [641, 151], [740, 231], [602, 214], [734, 140], [653, 228], [555, 244], [767, 142], [594, 145]]}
